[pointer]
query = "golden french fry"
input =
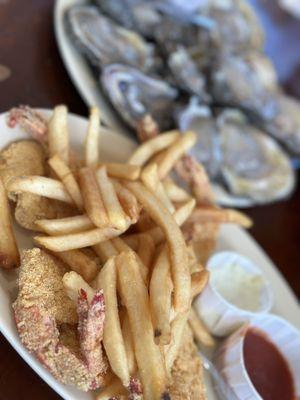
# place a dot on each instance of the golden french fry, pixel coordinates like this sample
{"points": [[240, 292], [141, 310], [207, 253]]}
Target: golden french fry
{"points": [[80, 263], [177, 329], [128, 343], [77, 240], [146, 250], [156, 233], [161, 287], [128, 201], [174, 192], [92, 197], [66, 176], [114, 390], [112, 335], [105, 250], [40, 185], [175, 152], [199, 281], [63, 226], [91, 147], [122, 171], [180, 271], [149, 177], [73, 283], [200, 332], [122, 246], [58, 135], [115, 212], [9, 253], [145, 151], [134, 295], [203, 215]]}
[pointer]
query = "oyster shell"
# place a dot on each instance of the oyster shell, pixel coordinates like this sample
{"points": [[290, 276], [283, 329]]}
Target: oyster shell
{"points": [[198, 117], [253, 164], [135, 95], [248, 82], [285, 125], [104, 42]]}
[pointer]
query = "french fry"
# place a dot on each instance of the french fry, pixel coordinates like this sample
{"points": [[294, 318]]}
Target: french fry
{"points": [[145, 151], [105, 250], [66, 176], [161, 287], [63, 226], [92, 197], [9, 253], [128, 201], [128, 343], [156, 233], [80, 263], [180, 271], [175, 152], [199, 281], [91, 146], [149, 177], [134, 295], [112, 335], [122, 171], [200, 332], [174, 192], [77, 240], [177, 329], [113, 390], [115, 212], [144, 223], [146, 250], [122, 246], [202, 215], [40, 185], [58, 135], [73, 283]]}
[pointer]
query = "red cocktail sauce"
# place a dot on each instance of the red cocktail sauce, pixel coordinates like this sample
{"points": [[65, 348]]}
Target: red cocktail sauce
{"points": [[267, 368]]}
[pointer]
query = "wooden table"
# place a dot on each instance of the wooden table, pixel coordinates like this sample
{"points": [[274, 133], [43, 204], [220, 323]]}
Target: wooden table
{"points": [[38, 78]]}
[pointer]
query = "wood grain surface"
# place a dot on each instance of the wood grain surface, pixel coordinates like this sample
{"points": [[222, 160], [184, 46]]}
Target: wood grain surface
{"points": [[33, 73]]}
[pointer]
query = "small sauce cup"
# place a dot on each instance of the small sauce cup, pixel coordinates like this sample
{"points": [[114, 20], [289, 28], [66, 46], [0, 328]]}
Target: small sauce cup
{"points": [[230, 360], [219, 315]]}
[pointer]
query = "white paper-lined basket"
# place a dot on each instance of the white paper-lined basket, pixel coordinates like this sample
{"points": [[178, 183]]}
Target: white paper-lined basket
{"points": [[220, 316], [230, 360]]}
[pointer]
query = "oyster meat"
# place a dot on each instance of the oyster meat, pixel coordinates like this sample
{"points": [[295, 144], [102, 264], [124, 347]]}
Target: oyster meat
{"points": [[104, 42], [133, 14], [135, 95], [186, 73], [248, 82], [285, 125], [198, 117], [253, 164]]}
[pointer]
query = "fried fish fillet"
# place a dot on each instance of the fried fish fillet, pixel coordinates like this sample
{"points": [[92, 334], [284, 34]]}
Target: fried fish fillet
{"points": [[64, 336], [187, 372], [27, 157]]}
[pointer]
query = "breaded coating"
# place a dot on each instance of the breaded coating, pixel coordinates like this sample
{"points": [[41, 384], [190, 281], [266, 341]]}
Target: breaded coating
{"points": [[187, 372], [40, 282], [24, 157], [27, 157]]}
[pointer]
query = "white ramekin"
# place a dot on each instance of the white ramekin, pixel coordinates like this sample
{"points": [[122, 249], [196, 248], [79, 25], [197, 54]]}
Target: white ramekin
{"points": [[220, 316], [230, 361]]}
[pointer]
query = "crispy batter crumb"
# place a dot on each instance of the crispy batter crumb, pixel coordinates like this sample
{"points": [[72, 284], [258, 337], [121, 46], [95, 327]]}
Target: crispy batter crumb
{"points": [[40, 282], [187, 373]]}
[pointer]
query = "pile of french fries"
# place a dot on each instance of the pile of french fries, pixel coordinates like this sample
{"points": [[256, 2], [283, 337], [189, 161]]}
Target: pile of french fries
{"points": [[129, 216]]}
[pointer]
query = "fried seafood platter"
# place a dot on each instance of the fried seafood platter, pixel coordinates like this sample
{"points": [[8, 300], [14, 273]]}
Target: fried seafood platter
{"points": [[115, 254]]}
